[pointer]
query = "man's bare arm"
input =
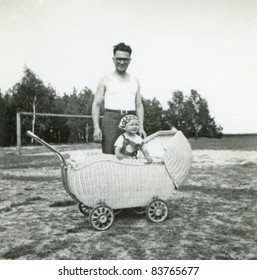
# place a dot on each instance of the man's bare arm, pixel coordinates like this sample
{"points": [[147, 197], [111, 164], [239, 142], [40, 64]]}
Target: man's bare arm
{"points": [[140, 113], [99, 96]]}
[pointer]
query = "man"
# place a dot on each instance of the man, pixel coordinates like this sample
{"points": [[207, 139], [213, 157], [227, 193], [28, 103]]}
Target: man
{"points": [[121, 94]]}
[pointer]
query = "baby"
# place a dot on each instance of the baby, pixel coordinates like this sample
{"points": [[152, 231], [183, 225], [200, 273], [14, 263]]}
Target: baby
{"points": [[128, 144]]}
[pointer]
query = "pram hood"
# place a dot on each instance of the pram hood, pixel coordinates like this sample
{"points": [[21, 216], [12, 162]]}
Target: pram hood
{"points": [[175, 150]]}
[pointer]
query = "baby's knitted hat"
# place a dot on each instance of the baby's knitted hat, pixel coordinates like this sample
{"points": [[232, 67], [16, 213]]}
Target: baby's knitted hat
{"points": [[125, 120]]}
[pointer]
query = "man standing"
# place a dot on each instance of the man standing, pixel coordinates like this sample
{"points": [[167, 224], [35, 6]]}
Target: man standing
{"points": [[121, 94]]}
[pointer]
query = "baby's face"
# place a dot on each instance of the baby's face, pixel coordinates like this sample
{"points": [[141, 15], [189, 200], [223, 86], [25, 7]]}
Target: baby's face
{"points": [[132, 126]]}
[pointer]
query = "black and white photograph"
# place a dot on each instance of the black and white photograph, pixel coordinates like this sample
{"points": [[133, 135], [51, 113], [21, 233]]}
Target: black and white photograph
{"points": [[128, 130]]}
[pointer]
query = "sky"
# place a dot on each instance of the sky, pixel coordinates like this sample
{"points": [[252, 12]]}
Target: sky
{"points": [[206, 45]]}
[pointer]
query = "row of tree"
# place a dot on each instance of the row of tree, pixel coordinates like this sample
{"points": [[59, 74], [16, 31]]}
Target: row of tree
{"points": [[189, 114]]}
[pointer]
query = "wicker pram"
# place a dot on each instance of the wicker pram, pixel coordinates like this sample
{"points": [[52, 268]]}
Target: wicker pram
{"points": [[102, 183]]}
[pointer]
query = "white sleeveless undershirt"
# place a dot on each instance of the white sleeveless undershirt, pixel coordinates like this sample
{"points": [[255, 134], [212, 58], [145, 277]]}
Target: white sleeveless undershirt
{"points": [[121, 95]]}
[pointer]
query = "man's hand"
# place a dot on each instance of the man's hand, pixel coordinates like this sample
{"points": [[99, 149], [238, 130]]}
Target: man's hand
{"points": [[142, 133], [97, 135], [119, 156]]}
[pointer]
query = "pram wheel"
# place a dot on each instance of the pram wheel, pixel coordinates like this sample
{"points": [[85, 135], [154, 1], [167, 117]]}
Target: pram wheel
{"points": [[101, 217], [157, 211], [84, 209]]}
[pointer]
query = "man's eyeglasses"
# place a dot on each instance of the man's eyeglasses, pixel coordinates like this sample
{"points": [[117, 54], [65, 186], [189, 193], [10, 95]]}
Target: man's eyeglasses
{"points": [[119, 59]]}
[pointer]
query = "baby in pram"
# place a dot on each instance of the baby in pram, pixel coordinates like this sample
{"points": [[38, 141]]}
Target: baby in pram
{"points": [[128, 144]]}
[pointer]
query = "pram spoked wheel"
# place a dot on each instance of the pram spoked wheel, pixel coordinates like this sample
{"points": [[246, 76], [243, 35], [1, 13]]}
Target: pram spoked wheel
{"points": [[84, 209], [157, 211], [101, 217]]}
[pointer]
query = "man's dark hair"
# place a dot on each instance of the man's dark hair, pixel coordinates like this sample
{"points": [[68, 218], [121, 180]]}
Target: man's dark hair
{"points": [[122, 47]]}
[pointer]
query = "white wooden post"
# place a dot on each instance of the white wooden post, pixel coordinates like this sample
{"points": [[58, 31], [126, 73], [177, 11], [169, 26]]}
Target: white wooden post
{"points": [[18, 133]]}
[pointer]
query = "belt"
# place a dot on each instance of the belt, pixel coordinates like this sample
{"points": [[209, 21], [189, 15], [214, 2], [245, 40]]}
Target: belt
{"points": [[122, 112]]}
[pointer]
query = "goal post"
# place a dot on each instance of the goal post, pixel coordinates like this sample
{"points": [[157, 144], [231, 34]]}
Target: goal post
{"points": [[18, 123]]}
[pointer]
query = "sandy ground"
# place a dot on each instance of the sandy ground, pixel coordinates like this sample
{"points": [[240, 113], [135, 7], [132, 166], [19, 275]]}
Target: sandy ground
{"points": [[212, 217], [224, 157]]}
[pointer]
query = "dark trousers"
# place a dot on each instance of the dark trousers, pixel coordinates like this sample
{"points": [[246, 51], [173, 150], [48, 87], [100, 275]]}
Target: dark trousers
{"points": [[110, 130]]}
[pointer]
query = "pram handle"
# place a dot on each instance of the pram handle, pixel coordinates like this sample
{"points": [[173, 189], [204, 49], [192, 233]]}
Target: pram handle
{"points": [[61, 159], [51, 148]]}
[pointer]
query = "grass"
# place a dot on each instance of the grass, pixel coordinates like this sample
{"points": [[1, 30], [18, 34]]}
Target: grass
{"points": [[64, 203], [16, 252], [13, 161], [227, 142], [213, 216]]}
